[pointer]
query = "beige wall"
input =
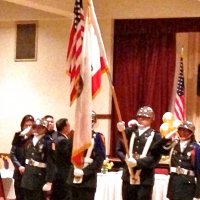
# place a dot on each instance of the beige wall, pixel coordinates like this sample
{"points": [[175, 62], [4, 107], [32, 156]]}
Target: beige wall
{"points": [[40, 87], [37, 87]]}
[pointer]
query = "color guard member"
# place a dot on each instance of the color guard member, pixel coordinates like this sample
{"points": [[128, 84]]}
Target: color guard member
{"points": [[39, 169], [140, 163]]}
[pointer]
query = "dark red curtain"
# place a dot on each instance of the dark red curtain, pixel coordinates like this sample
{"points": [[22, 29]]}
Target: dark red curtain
{"points": [[144, 66], [1, 189]]}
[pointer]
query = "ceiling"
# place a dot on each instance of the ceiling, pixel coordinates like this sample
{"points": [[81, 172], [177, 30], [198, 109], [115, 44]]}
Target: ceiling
{"points": [[34, 9], [62, 9]]}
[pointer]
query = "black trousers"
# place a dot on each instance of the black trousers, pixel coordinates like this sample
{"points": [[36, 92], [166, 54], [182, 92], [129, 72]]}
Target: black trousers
{"points": [[78, 193], [34, 195], [60, 190], [136, 192], [19, 192]]}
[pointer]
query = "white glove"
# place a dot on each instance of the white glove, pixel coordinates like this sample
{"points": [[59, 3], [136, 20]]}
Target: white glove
{"points": [[131, 162], [78, 172], [195, 198], [121, 126], [88, 160], [133, 122], [47, 187], [26, 131]]}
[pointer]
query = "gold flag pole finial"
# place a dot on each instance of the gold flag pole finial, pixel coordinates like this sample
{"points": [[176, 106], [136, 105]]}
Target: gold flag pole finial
{"points": [[182, 51]]}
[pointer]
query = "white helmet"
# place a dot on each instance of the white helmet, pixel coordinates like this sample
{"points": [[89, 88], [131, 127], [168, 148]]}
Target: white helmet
{"points": [[146, 111]]}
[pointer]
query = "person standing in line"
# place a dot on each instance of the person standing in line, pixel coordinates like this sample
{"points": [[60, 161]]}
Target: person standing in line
{"points": [[51, 133], [63, 160], [140, 163], [40, 168], [17, 154], [86, 188], [184, 153], [50, 127], [94, 121], [120, 151]]}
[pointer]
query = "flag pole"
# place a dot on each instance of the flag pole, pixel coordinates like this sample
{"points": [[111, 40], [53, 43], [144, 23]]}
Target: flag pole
{"points": [[133, 177], [117, 110], [115, 100], [90, 4]]}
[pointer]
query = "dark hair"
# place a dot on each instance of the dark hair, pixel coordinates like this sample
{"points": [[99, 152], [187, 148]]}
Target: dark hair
{"points": [[61, 123], [25, 119], [48, 116]]}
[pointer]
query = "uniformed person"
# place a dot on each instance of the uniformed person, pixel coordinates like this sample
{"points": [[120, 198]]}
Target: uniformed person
{"points": [[138, 172], [17, 154], [62, 160], [184, 151], [50, 127], [94, 121], [120, 150], [39, 168], [86, 188]]}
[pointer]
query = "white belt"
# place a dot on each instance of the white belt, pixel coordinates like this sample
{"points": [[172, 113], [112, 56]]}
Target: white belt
{"points": [[179, 170], [34, 163]]}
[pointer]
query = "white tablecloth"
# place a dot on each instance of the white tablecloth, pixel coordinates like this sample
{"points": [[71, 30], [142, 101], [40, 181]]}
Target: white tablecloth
{"points": [[160, 187], [109, 186], [8, 183]]}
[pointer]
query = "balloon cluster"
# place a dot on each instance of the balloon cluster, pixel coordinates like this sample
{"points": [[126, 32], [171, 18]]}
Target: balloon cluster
{"points": [[170, 123]]}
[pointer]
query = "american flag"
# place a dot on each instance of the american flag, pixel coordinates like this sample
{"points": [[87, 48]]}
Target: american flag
{"points": [[180, 95], [88, 60], [75, 50]]}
